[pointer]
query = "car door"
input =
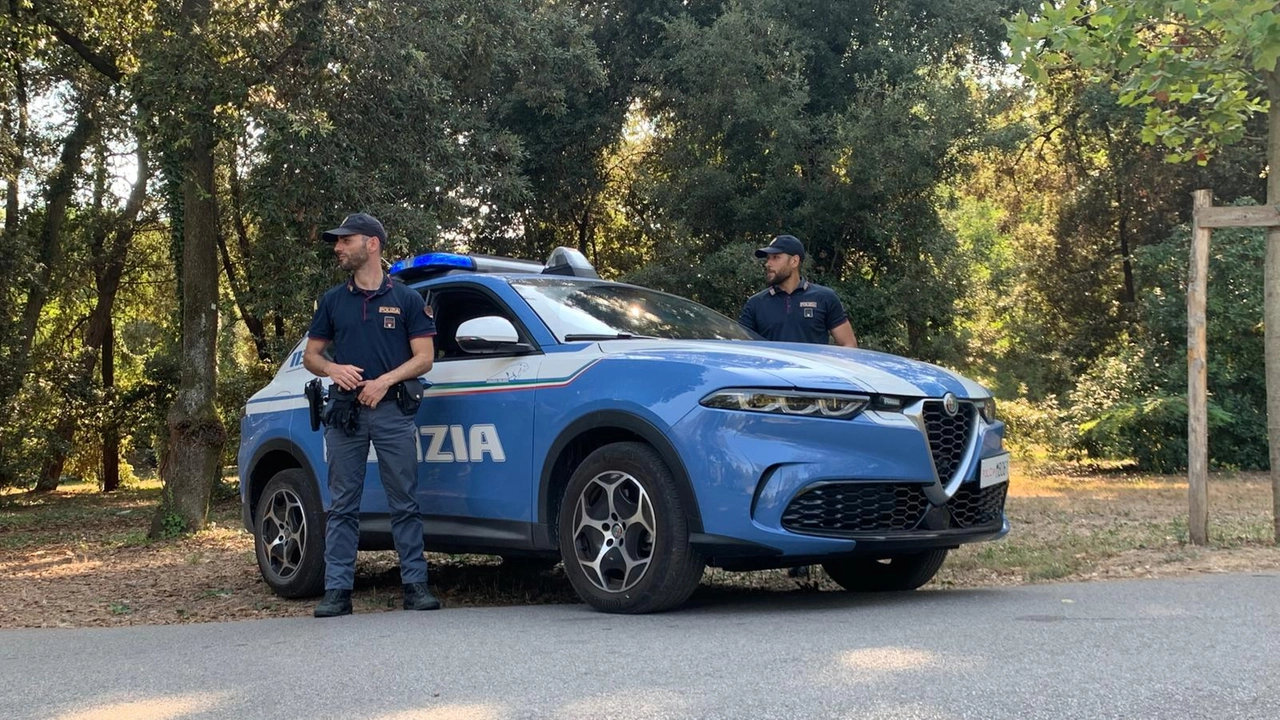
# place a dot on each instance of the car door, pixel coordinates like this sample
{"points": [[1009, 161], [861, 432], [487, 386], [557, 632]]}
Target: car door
{"points": [[475, 428]]}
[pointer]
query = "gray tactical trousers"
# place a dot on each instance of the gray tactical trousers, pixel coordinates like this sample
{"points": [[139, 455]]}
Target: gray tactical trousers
{"points": [[394, 438]]}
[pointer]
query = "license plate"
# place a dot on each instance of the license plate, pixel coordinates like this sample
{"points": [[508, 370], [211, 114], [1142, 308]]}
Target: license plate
{"points": [[993, 471]]}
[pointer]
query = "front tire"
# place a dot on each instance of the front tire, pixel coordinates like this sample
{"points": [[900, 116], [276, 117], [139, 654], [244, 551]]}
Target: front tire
{"points": [[624, 532], [898, 573], [289, 535]]}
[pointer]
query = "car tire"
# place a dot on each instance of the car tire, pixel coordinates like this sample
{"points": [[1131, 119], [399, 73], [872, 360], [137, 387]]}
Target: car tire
{"points": [[289, 535], [624, 493], [892, 574]]}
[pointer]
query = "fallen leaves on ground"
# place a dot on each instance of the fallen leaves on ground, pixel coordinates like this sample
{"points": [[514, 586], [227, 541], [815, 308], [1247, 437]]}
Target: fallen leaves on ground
{"points": [[77, 558]]}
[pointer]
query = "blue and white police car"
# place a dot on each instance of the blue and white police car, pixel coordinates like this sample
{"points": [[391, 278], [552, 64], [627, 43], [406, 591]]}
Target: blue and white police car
{"points": [[638, 437]]}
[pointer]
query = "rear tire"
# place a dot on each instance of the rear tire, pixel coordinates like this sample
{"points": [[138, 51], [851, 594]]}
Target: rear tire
{"points": [[288, 535], [624, 534], [898, 573]]}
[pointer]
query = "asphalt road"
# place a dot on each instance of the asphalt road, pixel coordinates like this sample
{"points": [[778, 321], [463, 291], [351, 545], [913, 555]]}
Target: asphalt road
{"points": [[1201, 647]]}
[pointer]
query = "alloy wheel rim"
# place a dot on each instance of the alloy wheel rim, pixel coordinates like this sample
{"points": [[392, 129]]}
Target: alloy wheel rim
{"points": [[614, 530], [284, 533]]}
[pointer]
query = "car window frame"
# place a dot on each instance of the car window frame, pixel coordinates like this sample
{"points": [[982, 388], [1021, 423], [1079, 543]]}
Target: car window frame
{"points": [[522, 330]]}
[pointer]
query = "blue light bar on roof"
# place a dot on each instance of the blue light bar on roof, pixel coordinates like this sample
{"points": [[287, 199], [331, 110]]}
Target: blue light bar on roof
{"points": [[434, 260]]}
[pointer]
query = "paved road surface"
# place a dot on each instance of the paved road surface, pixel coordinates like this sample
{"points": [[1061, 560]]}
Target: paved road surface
{"points": [[1202, 647]]}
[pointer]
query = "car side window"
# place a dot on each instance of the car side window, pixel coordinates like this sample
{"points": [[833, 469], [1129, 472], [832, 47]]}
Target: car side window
{"points": [[452, 306]]}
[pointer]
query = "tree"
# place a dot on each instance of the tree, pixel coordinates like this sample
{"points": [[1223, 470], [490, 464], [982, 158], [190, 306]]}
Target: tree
{"points": [[834, 121], [1054, 210], [1202, 69]]}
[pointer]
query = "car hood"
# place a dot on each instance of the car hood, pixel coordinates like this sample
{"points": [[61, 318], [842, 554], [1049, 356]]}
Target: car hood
{"points": [[805, 366]]}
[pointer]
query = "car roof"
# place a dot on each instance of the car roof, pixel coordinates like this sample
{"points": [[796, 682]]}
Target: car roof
{"points": [[563, 261]]}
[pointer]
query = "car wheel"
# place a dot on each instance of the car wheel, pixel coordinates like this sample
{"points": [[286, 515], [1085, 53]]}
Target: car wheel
{"points": [[891, 574], [624, 535], [289, 536]]}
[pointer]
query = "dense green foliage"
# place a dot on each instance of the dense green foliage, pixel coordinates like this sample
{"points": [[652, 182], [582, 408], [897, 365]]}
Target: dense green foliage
{"points": [[1195, 67], [1133, 402], [1198, 79], [1024, 236]]}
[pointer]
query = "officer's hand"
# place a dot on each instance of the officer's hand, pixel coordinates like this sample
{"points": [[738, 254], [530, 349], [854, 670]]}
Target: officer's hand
{"points": [[348, 377], [372, 392]]}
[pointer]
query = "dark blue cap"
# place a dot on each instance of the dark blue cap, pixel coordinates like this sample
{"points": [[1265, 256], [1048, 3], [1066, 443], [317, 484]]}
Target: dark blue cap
{"points": [[788, 244], [357, 224]]}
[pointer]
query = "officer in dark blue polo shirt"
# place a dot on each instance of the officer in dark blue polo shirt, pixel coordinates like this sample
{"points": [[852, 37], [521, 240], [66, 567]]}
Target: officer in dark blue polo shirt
{"points": [[381, 336], [793, 309]]}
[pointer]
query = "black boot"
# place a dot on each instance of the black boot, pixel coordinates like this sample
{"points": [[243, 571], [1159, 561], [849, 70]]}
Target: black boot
{"points": [[335, 603], [417, 596]]}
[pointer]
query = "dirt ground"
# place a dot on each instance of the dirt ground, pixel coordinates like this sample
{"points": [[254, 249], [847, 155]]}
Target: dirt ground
{"points": [[79, 558]]}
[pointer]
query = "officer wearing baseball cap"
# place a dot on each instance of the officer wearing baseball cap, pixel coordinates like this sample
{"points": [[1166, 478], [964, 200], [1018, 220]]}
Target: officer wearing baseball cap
{"points": [[382, 341], [792, 309]]}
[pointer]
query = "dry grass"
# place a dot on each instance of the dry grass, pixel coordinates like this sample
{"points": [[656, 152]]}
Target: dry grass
{"points": [[80, 558]]}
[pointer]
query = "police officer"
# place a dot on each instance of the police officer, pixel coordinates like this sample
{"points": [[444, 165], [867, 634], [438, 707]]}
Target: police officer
{"points": [[382, 335], [793, 309]]}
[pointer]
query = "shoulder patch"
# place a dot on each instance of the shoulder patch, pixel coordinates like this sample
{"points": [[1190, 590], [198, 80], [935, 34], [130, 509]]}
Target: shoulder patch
{"points": [[426, 310]]}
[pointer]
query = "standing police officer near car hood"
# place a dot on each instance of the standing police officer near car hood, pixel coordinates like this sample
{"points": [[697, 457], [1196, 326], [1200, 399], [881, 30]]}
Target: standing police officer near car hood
{"points": [[382, 336], [793, 309]]}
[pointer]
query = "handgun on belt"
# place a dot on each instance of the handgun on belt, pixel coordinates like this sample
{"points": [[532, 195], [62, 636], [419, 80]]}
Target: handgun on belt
{"points": [[314, 390]]}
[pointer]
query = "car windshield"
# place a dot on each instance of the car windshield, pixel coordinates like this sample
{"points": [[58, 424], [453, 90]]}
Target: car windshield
{"points": [[575, 310]]}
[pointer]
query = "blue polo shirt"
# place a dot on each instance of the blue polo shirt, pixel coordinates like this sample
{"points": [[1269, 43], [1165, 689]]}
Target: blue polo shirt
{"points": [[371, 329], [808, 314]]}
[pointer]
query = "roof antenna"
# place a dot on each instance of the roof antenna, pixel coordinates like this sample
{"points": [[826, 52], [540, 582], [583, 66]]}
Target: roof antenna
{"points": [[567, 261]]}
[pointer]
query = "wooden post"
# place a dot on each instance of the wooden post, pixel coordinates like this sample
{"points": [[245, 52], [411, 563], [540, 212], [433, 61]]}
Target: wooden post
{"points": [[1197, 377]]}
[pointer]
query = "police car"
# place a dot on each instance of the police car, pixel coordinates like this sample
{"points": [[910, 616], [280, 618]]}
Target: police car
{"points": [[638, 437]]}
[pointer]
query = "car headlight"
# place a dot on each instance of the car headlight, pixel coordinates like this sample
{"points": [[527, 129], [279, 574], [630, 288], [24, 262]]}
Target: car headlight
{"points": [[987, 408], [788, 403]]}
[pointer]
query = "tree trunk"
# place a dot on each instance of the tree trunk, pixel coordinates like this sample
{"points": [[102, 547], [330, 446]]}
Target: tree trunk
{"points": [[1126, 263], [193, 454], [252, 323], [51, 471], [196, 434], [1271, 299], [49, 244], [17, 128], [111, 430]]}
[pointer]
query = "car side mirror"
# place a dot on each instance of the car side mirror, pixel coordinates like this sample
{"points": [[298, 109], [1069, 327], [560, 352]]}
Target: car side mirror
{"points": [[490, 335]]}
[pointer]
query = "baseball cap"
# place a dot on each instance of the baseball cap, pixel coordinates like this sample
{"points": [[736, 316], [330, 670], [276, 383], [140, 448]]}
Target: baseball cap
{"points": [[788, 244], [357, 224]]}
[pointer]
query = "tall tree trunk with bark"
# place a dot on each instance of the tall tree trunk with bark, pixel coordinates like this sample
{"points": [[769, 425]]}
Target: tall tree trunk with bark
{"points": [[196, 433], [15, 123], [193, 456], [111, 430], [1271, 297]]}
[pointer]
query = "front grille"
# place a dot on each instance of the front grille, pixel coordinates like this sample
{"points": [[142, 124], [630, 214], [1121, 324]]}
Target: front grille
{"points": [[948, 435], [856, 507], [974, 507], [849, 508]]}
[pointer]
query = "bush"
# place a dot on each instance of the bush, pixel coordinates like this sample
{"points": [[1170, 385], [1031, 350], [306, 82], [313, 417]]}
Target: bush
{"points": [[1131, 404], [1036, 428]]}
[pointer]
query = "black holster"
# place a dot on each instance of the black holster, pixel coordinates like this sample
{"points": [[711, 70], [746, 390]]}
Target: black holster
{"points": [[408, 395], [314, 392]]}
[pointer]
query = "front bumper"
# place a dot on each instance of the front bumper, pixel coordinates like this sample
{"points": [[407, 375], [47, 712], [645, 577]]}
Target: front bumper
{"points": [[782, 490]]}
